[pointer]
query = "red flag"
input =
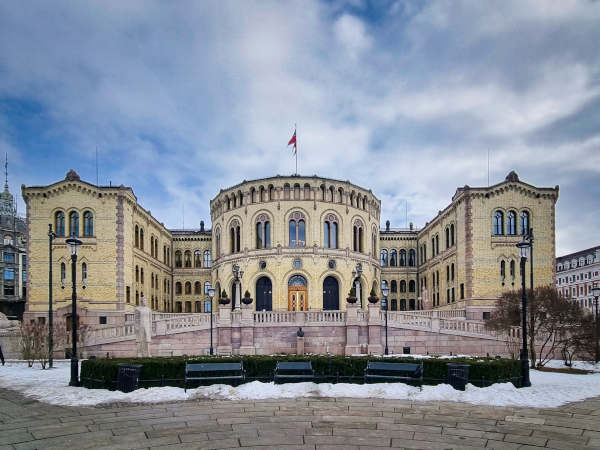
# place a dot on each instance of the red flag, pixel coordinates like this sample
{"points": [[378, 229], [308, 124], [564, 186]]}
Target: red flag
{"points": [[293, 141]]}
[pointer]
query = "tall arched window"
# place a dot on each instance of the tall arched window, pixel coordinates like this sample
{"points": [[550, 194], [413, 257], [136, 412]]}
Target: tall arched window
{"points": [[206, 258], [218, 242], [197, 259], [393, 258], [141, 238], [178, 288], [187, 259], [447, 237], [498, 223], [137, 237], [374, 243], [411, 286], [394, 287], [384, 258], [84, 272], [137, 274], [412, 256], [330, 231], [297, 230], [188, 287], [511, 223], [437, 244], [402, 258], [502, 270], [234, 236], [74, 223], [59, 223], [524, 222], [296, 191], [357, 236], [197, 288], [286, 191], [402, 285], [178, 259], [512, 269], [271, 192], [384, 284], [63, 272], [206, 287], [452, 271], [142, 275], [263, 231], [452, 234], [433, 246]]}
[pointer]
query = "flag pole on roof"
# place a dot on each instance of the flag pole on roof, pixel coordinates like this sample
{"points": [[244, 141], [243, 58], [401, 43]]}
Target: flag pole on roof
{"points": [[294, 141]]}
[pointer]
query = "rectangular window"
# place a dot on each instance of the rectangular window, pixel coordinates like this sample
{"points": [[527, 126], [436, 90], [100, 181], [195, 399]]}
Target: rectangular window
{"points": [[128, 294], [453, 298], [9, 258], [486, 315], [406, 350], [102, 320], [9, 274], [462, 291], [9, 289]]}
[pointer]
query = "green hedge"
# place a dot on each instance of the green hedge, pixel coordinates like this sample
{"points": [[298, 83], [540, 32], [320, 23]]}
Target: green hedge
{"points": [[170, 371]]}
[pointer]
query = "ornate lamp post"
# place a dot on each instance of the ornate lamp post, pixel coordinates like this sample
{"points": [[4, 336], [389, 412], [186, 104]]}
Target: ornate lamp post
{"points": [[73, 245], [356, 274], [530, 236], [51, 236], [596, 294], [211, 294], [237, 275], [523, 247], [385, 291]]}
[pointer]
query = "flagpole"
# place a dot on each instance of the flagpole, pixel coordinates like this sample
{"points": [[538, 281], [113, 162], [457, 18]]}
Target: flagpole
{"points": [[296, 147]]}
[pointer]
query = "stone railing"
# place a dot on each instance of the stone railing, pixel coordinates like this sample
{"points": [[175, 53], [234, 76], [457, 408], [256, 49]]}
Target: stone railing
{"points": [[111, 334], [324, 317], [406, 319], [162, 316], [129, 317], [451, 313], [182, 323], [274, 317]]}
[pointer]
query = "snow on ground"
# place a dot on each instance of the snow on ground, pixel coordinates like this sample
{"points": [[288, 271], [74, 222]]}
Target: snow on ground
{"points": [[547, 390]]}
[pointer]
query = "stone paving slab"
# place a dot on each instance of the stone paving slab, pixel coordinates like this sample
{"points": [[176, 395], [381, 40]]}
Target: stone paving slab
{"points": [[316, 424]]}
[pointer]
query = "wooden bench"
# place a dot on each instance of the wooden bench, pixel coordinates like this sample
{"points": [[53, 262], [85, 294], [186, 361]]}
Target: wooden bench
{"points": [[214, 371], [293, 371], [384, 371]]}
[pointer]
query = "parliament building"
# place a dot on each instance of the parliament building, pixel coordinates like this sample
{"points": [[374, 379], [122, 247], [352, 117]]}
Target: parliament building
{"points": [[296, 243]]}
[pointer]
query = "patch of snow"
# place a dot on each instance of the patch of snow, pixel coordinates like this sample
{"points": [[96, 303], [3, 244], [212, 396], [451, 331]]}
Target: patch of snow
{"points": [[548, 390]]}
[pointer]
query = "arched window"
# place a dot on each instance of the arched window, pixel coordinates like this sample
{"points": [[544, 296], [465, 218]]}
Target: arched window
{"points": [[452, 271], [74, 223], [403, 304], [437, 244], [296, 191], [63, 272], [357, 237], [502, 270], [297, 230], [187, 259], [402, 285], [394, 287], [137, 274], [498, 223], [59, 223], [330, 231], [271, 192], [511, 223], [524, 222], [263, 231], [188, 287], [286, 191], [374, 243], [142, 275], [447, 237], [151, 245], [206, 258], [393, 258], [178, 288], [141, 238], [512, 269], [253, 195], [178, 259], [218, 242], [384, 258], [330, 193], [234, 236], [447, 273], [197, 288], [384, 284], [411, 286], [402, 258], [412, 256], [452, 234]]}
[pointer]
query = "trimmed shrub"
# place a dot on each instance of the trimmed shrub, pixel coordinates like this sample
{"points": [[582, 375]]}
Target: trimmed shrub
{"points": [[170, 371]]}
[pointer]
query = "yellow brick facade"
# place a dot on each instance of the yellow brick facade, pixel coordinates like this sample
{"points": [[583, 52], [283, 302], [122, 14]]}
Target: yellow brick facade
{"points": [[178, 265]]}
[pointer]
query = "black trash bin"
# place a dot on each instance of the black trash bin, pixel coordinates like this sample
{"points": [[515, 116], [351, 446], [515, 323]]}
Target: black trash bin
{"points": [[129, 377], [458, 376]]}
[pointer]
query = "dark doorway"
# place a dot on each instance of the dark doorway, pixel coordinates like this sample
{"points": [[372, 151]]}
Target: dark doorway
{"points": [[331, 294], [264, 294]]}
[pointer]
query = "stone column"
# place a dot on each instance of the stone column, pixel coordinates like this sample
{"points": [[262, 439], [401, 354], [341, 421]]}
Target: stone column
{"points": [[375, 347], [352, 345], [223, 326], [247, 330], [143, 329]]}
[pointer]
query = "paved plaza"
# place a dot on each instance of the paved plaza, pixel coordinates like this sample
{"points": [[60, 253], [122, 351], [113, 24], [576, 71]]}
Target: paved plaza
{"points": [[322, 423]]}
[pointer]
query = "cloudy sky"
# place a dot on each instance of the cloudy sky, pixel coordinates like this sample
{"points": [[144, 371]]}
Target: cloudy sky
{"points": [[403, 97]]}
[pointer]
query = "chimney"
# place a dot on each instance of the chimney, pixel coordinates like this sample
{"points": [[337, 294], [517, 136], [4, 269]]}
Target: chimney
{"points": [[387, 225], [202, 225]]}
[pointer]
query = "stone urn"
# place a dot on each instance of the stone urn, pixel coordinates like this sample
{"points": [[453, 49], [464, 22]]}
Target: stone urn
{"points": [[351, 300], [246, 300], [224, 301], [373, 299]]}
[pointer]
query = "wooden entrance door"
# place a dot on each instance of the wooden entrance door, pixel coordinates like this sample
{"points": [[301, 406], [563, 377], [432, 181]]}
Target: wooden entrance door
{"points": [[297, 298]]}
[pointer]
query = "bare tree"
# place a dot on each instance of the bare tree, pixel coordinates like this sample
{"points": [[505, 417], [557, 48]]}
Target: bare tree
{"points": [[26, 343]]}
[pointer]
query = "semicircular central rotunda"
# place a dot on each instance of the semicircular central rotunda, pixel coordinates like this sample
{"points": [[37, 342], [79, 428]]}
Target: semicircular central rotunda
{"points": [[297, 242]]}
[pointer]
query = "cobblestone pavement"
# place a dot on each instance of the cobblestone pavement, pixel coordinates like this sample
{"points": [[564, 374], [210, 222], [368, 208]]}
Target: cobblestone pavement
{"points": [[324, 423]]}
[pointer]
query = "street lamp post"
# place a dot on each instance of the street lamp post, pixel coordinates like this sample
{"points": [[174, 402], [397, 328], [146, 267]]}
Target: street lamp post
{"points": [[596, 294], [73, 245], [51, 236], [237, 275], [356, 274], [531, 258], [385, 291], [211, 294], [524, 247]]}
